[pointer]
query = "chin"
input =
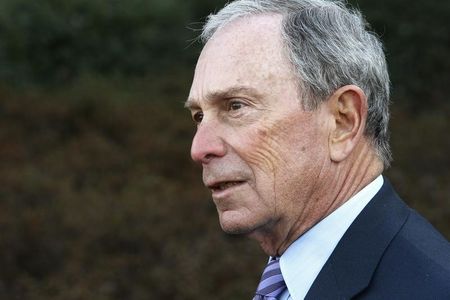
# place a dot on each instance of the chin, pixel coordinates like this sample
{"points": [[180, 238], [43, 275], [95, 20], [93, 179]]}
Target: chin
{"points": [[235, 228], [234, 223]]}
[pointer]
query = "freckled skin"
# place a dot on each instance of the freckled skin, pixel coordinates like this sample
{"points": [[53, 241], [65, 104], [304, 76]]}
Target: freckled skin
{"points": [[279, 150]]}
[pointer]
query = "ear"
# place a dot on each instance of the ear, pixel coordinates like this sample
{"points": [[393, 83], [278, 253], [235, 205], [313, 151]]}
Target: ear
{"points": [[348, 106]]}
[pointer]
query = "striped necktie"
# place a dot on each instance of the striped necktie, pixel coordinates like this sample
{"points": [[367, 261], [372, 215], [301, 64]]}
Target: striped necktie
{"points": [[272, 283]]}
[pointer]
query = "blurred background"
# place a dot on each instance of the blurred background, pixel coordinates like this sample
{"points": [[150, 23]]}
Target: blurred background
{"points": [[98, 196]]}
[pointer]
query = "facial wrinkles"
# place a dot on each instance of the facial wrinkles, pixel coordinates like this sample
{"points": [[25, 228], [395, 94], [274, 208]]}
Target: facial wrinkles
{"points": [[278, 144], [266, 159], [272, 129], [265, 156], [285, 137]]}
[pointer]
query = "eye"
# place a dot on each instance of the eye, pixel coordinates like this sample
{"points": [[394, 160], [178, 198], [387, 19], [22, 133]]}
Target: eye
{"points": [[235, 105], [197, 117]]}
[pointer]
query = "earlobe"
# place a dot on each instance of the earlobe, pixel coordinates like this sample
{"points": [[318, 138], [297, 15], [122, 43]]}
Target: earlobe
{"points": [[348, 105]]}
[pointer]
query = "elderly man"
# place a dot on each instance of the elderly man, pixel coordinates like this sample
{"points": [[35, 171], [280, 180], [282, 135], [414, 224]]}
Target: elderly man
{"points": [[290, 99]]}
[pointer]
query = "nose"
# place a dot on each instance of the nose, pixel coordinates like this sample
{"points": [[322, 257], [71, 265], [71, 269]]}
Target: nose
{"points": [[207, 144]]}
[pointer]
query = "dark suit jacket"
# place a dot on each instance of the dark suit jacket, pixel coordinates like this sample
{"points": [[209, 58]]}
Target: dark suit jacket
{"points": [[389, 252]]}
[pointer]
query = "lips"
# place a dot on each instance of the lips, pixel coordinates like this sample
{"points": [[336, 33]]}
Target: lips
{"points": [[223, 185]]}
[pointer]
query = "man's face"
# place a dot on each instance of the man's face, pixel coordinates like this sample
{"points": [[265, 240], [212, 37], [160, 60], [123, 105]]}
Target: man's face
{"points": [[262, 154]]}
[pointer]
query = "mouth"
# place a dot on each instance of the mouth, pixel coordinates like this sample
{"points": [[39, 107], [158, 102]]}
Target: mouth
{"points": [[224, 185]]}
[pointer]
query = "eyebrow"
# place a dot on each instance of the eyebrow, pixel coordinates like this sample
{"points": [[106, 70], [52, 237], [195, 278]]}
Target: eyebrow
{"points": [[231, 92]]}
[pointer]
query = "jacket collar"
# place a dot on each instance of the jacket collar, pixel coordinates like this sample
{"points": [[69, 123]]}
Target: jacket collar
{"points": [[351, 266]]}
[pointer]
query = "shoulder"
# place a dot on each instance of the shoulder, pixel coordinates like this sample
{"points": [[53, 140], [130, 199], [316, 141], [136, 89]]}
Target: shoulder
{"points": [[416, 264], [389, 252]]}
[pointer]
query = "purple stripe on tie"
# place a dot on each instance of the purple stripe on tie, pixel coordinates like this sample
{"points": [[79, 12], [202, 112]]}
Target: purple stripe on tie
{"points": [[269, 287], [272, 283], [272, 290], [270, 273], [274, 264], [277, 291]]}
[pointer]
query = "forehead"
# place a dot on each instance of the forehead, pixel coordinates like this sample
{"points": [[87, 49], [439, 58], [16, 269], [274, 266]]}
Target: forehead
{"points": [[246, 52], [245, 35]]}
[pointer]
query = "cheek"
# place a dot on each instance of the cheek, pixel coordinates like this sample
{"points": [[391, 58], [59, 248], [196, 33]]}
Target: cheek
{"points": [[287, 152], [283, 147], [262, 149], [276, 145]]}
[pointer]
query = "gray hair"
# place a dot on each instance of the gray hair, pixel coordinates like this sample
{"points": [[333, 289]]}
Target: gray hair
{"points": [[329, 47]]}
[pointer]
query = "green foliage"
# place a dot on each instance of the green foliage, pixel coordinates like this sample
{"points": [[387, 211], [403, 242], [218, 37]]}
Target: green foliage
{"points": [[416, 35], [55, 41], [99, 200]]}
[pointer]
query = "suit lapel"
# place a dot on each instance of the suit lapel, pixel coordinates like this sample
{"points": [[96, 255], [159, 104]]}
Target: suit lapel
{"points": [[352, 264]]}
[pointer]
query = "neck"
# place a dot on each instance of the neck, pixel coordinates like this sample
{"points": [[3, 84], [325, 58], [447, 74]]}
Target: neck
{"points": [[344, 180]]}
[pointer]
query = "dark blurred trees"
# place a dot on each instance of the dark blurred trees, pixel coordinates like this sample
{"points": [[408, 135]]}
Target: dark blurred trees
{"points": [[98, 197], [416, 35], [54, 41]]}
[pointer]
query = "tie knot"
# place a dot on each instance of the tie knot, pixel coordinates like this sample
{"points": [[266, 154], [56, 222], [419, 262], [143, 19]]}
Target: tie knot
{"points": [[272, 283]]}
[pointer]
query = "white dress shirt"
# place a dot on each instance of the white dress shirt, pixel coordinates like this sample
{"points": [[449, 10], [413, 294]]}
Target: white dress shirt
{"points": [[302, 261]]}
